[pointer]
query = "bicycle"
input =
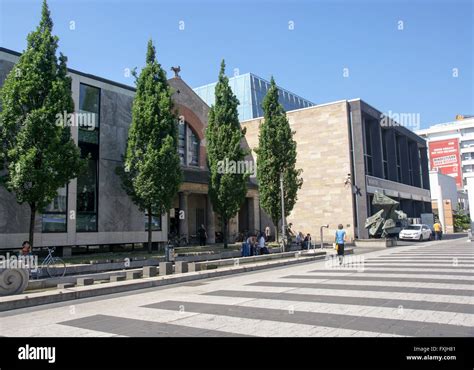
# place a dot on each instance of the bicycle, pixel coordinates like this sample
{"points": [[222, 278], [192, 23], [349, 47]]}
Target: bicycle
{"points": [[55, 266], [177, 241]]}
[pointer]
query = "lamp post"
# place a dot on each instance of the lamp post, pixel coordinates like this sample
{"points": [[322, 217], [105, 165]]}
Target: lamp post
{"points": [[283, 233], [321, 232]]}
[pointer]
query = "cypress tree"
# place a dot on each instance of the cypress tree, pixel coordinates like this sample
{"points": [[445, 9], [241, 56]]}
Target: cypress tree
{"points": [[152, 172], [227, 189], [276, 154], [38, 155]]}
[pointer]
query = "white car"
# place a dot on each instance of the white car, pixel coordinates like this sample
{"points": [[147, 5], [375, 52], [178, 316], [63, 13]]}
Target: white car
{"points": [[415, 232]]}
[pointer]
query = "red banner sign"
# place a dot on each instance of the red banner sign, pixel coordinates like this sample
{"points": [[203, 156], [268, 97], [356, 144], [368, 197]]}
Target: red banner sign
{"points": [[444, 157]]}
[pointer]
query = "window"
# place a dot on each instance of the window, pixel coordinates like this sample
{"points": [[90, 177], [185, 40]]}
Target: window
{"points": [[54, 216], [368, 149], [182, 142], [87, 183], [155, 222], [384, 154], [89, 112], [410, 165], [398, 157], [87, 194], [188, 145], [193, 148]]}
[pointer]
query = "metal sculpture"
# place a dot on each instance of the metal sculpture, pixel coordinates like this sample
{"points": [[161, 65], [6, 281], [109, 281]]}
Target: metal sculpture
{"points": [[384, 223]]}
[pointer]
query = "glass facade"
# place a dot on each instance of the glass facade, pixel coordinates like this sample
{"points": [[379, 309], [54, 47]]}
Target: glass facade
{"points": [[87, 183], [89, 105], [188, 145], [155, 222], [251, 90], [54, 218]]}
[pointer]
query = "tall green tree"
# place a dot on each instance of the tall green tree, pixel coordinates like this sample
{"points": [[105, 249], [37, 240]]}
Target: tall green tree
{"points": [[276, 154], [38, 154], [152, 173], [227, 188]]}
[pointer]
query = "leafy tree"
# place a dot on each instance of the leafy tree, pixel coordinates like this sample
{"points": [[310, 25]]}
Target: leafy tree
{"points": [[152, 173], [276, 154], [227, 189], [38, 155], [461, 221]]}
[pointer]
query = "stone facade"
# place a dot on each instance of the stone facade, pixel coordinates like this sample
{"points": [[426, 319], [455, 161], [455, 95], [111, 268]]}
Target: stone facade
{"points": [[119, 220], [323, 153], [347, 155]]}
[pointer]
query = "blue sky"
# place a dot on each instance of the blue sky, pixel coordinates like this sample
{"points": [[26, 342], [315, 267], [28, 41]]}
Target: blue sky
{"points": [[402, 71]]}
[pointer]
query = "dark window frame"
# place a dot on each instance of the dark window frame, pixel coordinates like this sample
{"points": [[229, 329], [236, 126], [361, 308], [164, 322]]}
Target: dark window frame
{"points": [[94, 150], [96, 129], [65, 213]]}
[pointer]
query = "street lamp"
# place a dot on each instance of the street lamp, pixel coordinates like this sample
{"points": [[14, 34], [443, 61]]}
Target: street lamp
{"points": [[283, 236], [321, 232]]}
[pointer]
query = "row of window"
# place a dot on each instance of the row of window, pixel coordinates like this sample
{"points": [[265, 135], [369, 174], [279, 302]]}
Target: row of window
{"points": [[54, 216], [369, 126]]}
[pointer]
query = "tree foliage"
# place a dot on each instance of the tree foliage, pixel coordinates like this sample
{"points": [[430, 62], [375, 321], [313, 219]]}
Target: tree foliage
{"points": [[227, 189], [152, 173], [276, 154], [38, 155]]}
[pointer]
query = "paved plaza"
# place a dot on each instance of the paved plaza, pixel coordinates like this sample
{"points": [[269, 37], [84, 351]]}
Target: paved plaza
{"points": [[422, 290]]}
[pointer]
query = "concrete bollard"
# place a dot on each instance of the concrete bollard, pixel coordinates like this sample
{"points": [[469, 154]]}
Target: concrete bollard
{"points": [[149, 271], [166, 268], [193, 266], [65, 285], [133, 275], [115, 278], [84, 281], [180, 267]]}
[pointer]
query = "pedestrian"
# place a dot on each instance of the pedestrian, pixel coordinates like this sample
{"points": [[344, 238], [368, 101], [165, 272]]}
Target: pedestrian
{"points": [[438, 229], [299, 240], [261, 244], [307, 241], [25, 249], [340, 240], [202, 235], [251, 245], [267, 233]]}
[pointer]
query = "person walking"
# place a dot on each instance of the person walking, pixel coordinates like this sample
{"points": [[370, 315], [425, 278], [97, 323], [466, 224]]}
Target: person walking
{"points": [[438, 229], [202, 235], [340, 241]]}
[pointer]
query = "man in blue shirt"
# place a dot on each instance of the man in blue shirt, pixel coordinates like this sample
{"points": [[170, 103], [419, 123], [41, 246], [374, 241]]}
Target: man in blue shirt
{"points": [[340, 240]]}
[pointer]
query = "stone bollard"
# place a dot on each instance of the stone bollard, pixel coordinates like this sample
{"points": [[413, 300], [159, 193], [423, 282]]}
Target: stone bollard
{"points": [[115, 278], [166, 268], [180, 267], [85, 281], [149, 271], [133, 275], [13, 281], [65, 285], [193, 266]]}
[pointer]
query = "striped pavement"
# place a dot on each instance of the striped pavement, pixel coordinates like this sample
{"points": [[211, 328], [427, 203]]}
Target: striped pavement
{"points": [[424, 290]]}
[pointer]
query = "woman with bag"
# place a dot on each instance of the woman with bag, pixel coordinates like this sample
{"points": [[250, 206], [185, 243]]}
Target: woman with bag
{"points": [[340, 240]]}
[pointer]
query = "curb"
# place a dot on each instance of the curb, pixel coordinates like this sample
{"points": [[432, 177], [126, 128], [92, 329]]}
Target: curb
{"points": [[62, 295]]}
